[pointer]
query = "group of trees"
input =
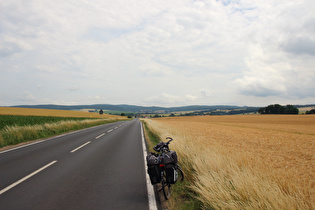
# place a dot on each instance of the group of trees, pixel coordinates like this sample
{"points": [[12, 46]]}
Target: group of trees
{"points": [[312, 111], [278, 109]]}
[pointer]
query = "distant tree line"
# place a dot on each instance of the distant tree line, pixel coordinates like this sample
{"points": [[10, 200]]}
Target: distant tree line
{"points": [[312, 111], [129, 115], [248, 110], [278, 109]]}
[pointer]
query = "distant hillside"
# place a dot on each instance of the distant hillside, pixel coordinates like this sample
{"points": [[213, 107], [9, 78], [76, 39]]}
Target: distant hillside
{"points": [[124, 108], [181, 110], [133, 108], [302, 106]]}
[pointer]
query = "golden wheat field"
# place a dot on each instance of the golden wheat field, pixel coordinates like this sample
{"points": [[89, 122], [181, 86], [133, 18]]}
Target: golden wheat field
{"points": [[54, 113], [274, 149]]}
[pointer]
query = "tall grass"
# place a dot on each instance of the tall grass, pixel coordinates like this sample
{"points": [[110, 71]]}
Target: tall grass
{"points": [[11, 135], [17, 120], [221, 180]]}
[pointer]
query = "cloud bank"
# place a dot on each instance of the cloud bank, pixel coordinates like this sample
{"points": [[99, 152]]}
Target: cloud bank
{"points": [[168, 53]]}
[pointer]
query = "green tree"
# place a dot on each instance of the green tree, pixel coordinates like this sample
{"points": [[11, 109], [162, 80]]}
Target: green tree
{"points": [[290, 109], [312, 111], [274, 109], [278, 109], [261, 111]]}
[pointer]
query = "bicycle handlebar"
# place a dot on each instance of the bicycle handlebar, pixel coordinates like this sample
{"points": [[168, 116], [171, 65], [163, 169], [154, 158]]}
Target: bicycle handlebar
{"points": [[162, 145], [170, 139]]}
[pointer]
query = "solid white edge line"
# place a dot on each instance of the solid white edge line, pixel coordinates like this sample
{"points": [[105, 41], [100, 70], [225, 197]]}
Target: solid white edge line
{"points": [[27, 177], [80, 146], [100, 136], [151, 193]]}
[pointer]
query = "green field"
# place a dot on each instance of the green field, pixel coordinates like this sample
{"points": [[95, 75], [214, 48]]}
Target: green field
{"points": [[15, 120], [15, 129]]}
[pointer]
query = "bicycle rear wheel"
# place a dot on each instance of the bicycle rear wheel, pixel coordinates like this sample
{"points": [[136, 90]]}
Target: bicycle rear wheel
{"points": [[166, 187], [180, 173]]}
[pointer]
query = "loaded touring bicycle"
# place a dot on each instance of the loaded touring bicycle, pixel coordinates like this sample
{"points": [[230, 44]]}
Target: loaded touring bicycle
{"points": [[163, 167]]}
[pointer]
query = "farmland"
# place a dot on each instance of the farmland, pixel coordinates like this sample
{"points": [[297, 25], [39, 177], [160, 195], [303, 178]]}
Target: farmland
{"points": [[246, 161], [53, 113], [15, 120], [18, 125]]}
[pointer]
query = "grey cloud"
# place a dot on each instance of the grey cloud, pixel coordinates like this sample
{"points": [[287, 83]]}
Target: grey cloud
{"points": [[73, 89], [107, 34], [302, 92], [155, 71], [8, 49], [289, 84], [299, 46], [205, 92], [168, 99], [22, 18], [259, 91]]}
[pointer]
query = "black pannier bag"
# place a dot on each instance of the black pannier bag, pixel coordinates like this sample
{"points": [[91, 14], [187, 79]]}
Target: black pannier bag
{"points": [[171, 174], [170, 158], [154, 170]]}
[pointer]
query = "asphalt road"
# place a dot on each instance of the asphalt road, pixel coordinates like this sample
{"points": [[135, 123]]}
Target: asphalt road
{"points": [[96, 168]]}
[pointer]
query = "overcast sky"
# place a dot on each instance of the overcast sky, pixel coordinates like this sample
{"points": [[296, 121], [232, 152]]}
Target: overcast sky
{"points": [[157, 52]]}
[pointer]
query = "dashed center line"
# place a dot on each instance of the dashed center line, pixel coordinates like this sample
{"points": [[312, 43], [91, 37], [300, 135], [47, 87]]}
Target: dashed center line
{"points": [[100, 136], [27, 177], [80, 146], [51, 163]]}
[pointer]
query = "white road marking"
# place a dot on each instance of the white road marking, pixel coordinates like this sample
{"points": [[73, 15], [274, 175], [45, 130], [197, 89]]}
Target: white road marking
{"points": [[115, 127], [110, 131], [27, 177], [151, 194], [80, 146], [100, 136], [43, 140]]}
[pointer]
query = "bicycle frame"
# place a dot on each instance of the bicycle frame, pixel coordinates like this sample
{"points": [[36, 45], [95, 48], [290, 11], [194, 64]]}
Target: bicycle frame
{"points": [[163, 148]]}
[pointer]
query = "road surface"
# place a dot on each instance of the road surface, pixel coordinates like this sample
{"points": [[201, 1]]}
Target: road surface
{"points": [[95, 168]]}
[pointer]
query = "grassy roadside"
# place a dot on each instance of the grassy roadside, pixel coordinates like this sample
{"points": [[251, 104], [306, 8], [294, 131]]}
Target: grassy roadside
{"points": [[151, 137], [12, 134], [18, 120], [182, 198]]}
